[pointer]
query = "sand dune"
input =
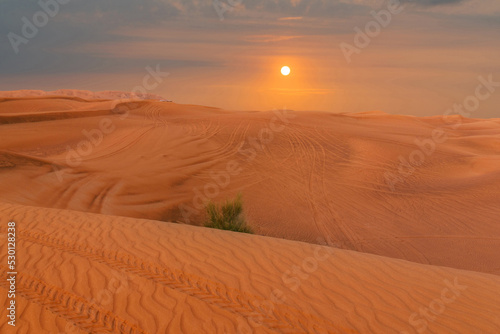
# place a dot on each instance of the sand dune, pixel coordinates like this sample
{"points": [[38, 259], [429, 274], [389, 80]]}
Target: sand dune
{"points": [[303, 175], [94, 184], [82, 272], [82, 94]]}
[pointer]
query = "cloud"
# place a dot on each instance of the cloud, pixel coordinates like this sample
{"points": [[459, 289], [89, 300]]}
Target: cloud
{"points": [[435, 2], [290, 18], [268, 38], [177, 28]]}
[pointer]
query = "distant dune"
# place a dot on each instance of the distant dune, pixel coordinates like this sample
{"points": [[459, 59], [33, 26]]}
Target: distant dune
{"points": [[84, 94], [303, 175], [94, 184]]}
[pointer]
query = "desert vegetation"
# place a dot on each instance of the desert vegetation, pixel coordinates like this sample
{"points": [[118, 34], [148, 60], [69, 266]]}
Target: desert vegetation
{"points": [[227, 216]]}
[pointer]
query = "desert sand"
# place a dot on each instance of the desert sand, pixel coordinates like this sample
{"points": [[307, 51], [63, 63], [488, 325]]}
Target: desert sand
{"points": [[364, 221], [95, 273]]}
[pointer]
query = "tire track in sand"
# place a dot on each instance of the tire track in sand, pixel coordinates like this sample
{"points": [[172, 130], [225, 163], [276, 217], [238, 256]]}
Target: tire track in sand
{"points": [[282, 318], [75, 309]]}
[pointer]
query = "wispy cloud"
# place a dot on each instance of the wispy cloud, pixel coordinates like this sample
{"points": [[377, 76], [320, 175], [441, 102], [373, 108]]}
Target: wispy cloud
{"points": [[436, 2], [290, 18], [269, 38]]}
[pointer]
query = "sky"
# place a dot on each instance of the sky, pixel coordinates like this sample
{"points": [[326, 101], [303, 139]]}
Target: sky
{"points": [[419, 58]]}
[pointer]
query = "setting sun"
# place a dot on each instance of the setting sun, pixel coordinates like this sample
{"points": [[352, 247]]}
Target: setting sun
{"points": [[285, 70]]}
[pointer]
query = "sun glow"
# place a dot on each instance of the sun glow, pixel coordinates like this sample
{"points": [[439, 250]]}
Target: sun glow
{"points": [[285, 70]]}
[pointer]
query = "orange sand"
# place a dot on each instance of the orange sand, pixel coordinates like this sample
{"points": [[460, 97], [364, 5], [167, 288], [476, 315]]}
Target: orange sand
{"points": [[305, 176]]}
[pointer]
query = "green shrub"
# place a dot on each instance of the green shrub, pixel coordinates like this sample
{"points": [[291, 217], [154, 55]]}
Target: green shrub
{"points": [[227, 216]]}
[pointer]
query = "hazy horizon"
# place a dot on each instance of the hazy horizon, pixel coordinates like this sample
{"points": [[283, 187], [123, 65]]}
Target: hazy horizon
{"points": [[426, 59]]}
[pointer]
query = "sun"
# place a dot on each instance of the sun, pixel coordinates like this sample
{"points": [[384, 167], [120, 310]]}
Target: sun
{"points": [[285, 70]]}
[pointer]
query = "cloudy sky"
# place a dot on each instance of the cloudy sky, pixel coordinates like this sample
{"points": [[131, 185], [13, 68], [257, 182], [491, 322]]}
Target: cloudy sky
{"points": [[228, 53]]}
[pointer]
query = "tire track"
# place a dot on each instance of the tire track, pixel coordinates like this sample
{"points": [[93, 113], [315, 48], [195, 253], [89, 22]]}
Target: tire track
{"points": [[324, 197], [124, 147], [75, 309], [66, 194], [285, 319], [154, 114], [98, 200], [319, 201]]}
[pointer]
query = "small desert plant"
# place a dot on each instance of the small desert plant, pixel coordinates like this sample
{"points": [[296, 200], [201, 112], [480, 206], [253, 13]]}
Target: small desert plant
{"points": [[227, 216]]}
